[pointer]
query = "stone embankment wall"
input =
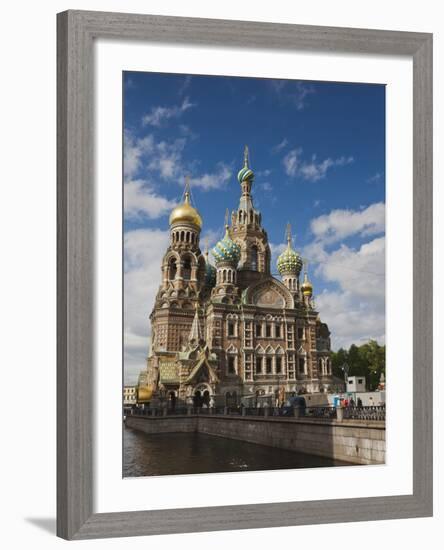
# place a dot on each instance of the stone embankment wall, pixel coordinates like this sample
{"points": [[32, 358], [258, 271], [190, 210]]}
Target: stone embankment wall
{"points": [[358, 442]]}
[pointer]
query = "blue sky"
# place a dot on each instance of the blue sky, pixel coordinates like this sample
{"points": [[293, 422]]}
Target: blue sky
{"points": [[318, 152]]}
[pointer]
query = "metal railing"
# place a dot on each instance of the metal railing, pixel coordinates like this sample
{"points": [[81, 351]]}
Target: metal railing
{"points": [[370, 413], [376, 412]]}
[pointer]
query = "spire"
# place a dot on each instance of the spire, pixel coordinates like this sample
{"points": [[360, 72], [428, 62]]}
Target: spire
{"points": [[226, 219], [246, 165], [288, 233], [187, 197], [195, 332]]}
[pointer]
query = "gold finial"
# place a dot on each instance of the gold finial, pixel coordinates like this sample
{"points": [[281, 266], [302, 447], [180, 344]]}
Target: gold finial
{"points": [[246, 156], [305, 262], [288, 233], [226, 218], [187, 189]]}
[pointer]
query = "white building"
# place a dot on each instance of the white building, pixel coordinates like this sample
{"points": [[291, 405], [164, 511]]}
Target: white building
{"points": [[356, 384], [129, 395]]}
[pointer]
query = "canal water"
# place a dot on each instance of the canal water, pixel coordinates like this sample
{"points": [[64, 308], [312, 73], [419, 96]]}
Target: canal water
{"points": [[197, 453]]}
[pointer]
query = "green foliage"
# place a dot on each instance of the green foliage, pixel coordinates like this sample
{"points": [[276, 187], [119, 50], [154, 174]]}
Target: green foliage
{"points": [[366, 360]]}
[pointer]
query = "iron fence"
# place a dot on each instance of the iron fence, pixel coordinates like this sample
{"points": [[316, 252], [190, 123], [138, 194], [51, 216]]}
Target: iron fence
{"points": [[370, 413]]}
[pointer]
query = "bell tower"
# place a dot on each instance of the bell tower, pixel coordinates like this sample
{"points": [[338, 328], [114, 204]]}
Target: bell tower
{"points": [[246, 229], [183, 265]]}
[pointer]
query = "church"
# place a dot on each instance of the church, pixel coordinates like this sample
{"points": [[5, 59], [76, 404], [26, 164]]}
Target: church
{"points": [[232, 333]]}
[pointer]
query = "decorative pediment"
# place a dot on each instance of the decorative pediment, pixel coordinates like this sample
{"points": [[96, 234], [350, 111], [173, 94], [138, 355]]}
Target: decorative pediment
{"points": [[270, 293], [202, 372]]}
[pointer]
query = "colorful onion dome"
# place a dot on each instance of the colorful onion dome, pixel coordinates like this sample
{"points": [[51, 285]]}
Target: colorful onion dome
{"points": [[289, 262], [306, 286], [226, 251], [210, 272], [245, 173], [185, 213]]}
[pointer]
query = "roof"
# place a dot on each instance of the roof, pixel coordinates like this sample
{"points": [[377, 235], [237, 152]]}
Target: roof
{"points": [[203, 361], [169, 372]]}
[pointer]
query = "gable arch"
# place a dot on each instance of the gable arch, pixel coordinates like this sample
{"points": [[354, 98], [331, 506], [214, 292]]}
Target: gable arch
{"points": [[269, 293]]}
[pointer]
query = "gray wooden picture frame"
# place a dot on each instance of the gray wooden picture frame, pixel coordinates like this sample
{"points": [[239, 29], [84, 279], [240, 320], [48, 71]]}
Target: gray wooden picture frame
{"points": [[76, 32]]}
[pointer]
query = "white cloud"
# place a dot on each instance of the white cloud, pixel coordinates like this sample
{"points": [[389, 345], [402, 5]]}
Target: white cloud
{"points": [[312, 170], [143, 252], [375, 179], [350, 321], [185, 85], [340, 224], [354, 305], [140, 200], [133, 152], [215, 180], [295, 92], [167, 158], [291, 162], [355, 312], [263, 173], [159, 115], [266, 186], [277, 148], [360, 272]]}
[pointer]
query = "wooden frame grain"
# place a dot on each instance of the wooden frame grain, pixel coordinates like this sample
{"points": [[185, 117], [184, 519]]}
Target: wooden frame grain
{"points": [[76, 32]]}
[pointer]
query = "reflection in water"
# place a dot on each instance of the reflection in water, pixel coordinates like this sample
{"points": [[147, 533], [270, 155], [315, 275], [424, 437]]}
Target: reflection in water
{"points": [[197, 453]]}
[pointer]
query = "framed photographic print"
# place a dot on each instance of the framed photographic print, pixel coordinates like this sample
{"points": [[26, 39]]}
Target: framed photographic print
{"points": [[244, 274]]}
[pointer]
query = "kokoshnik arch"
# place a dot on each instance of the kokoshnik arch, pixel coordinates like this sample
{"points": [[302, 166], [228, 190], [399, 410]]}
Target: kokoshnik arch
{"points": [[230, 331]]}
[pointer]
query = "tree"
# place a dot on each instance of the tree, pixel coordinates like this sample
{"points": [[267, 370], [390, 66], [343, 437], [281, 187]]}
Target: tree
{"points": [[366, 360], [339, 358]]}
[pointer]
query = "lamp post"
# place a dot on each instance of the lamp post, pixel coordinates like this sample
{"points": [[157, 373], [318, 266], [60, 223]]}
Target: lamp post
{"points": [[346, 369]]}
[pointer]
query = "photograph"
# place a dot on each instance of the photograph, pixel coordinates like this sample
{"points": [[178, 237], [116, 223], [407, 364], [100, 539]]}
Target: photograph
{"points": [[253, 247]]}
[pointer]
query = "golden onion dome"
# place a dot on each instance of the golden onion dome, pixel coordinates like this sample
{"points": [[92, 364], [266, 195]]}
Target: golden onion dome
{"points": [[144, 393], [185, 213], [306, 286]]}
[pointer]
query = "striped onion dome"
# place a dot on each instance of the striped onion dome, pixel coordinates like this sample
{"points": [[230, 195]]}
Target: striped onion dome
{"points": [[226, 251], [245, 173]]}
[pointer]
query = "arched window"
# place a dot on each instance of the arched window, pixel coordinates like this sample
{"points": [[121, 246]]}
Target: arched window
{"points": [[186, 272], [172, 269], [254, 257]]}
